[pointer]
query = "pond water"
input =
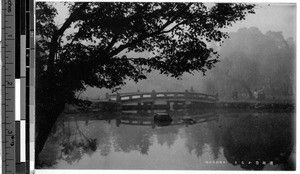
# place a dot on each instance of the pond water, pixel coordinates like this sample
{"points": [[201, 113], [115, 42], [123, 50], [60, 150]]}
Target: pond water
{"points": [[215, 141]]}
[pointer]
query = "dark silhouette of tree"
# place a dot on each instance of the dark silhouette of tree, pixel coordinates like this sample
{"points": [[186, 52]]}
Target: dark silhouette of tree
{"points": [[94, 53]]}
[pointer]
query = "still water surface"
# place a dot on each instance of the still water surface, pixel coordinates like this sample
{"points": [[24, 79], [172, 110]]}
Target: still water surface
{"points": [[217, 141]]}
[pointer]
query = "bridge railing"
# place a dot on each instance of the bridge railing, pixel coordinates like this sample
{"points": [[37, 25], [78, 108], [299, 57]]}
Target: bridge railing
{"points": [[123, 97]]}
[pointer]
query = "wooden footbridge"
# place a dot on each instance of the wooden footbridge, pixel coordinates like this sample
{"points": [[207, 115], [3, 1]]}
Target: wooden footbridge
{"points": [[142, 97], [153, 100]]}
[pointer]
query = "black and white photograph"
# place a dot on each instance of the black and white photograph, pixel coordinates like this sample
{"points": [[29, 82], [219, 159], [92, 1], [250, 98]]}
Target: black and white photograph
{"points": [[165, 86]]}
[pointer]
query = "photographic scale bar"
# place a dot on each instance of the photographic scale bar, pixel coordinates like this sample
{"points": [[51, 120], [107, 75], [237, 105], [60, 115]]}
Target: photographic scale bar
{"points": [[17, 86]]}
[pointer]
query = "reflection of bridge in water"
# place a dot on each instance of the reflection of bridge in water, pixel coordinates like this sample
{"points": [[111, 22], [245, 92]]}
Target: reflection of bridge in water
{"points": [[135, 119], [145, 119], [162, 100]]}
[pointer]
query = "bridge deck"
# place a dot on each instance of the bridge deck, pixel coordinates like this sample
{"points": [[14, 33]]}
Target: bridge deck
{"points": [[165, 96]]}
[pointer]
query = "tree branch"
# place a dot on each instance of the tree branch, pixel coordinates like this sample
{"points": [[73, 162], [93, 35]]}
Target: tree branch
{"points": [[58, 33], [111, 44], [177, 25], [158, 32]]}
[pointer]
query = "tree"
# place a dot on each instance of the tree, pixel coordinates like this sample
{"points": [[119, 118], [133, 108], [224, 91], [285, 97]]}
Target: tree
{"points": [[94, 53], [242, 71], [253, 60]]}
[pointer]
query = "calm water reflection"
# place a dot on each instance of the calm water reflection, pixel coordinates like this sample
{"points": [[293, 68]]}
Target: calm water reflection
{"points": [[217, 141]]}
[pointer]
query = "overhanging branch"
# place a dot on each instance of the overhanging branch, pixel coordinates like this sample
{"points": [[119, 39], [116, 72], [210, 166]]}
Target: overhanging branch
{"points": [[157, 32]]}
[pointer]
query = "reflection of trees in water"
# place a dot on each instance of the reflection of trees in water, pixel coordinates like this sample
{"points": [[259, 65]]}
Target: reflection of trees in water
{"points": [[203, 134], [140, 138], [216, 139], [70, 144], [263, 139], [128, 138], [243, 138], [76, 144], [256, 137], [167, 135]]}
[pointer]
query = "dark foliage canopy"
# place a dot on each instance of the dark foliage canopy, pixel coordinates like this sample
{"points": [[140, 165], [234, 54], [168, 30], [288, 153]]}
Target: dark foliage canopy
{"points": [[96, 52]]}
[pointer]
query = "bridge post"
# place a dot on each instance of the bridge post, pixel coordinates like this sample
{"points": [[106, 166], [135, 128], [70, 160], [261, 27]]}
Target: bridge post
{"points": [[146, 107], [141, 95], [168, 106], [139, 108], [118, 98], [185, 100], [152, 107], [107, 96], [175, 106], [185, 104], [153, 96]]}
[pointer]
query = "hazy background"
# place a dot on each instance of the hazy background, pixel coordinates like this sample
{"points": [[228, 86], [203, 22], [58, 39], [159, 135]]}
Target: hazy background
{"points": [[268, 17], [277, 17]]}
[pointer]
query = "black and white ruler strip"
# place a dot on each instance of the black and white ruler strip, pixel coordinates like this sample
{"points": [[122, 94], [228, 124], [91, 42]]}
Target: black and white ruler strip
{"points": [[8, 86], [17, 86]]}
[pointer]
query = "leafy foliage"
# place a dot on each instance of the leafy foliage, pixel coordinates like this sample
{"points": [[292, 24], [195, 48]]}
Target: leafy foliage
{"points": [[94, 54]]}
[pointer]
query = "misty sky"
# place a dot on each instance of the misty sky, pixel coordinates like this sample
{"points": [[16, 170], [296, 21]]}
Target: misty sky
{"points": [[274, 17], [267, 17]]}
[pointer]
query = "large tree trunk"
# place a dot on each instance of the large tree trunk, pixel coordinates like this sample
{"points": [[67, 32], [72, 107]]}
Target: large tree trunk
{"points": [[46, 116], [50, 97], [47, 121]]}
